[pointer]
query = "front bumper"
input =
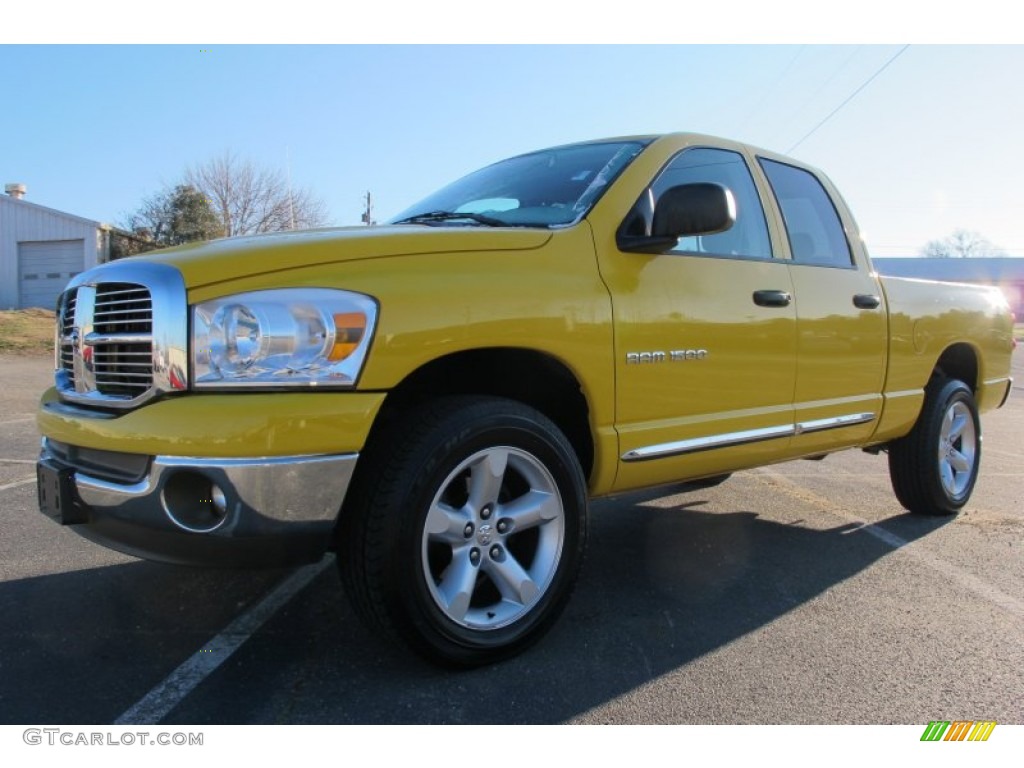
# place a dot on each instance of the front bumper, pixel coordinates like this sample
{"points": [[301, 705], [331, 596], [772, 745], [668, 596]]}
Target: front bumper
{"points": [[270, 511]]}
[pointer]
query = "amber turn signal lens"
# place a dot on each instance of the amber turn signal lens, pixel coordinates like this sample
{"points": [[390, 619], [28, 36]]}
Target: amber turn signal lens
{"points": [[349, 328]]}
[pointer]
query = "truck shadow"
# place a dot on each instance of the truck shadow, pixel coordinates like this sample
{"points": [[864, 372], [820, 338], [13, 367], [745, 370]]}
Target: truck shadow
{"points": [[662, 587], [83, 645]]}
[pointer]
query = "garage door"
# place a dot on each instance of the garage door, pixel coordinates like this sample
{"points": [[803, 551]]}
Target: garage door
{"points": [[44, 268]]}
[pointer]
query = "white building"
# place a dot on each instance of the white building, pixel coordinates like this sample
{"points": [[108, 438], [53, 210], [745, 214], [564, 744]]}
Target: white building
{"points": [[41, 249]]}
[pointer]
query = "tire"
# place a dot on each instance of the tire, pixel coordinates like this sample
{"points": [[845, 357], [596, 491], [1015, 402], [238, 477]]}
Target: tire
{"points": [[934, 468], [467, 530]]}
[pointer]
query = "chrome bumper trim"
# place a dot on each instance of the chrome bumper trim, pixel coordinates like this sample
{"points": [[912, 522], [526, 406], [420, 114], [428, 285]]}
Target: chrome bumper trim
{"points": [[294, 489], [273, 507]]}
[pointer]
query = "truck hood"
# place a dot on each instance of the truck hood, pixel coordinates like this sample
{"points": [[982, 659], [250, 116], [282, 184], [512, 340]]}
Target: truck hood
{"points": [[232, 258]]}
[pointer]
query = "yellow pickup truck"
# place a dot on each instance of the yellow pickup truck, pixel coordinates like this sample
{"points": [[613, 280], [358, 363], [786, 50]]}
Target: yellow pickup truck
{"points": [[436, 399]]}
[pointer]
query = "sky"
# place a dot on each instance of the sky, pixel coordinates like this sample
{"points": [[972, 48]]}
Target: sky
{"points": [[920, 144], [926, 138]]}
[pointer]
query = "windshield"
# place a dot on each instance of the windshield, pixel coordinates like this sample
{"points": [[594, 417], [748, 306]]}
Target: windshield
{"points": [[543, 189]]}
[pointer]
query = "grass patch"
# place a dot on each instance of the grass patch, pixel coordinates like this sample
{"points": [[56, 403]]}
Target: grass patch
{"points": [[26, 332]]}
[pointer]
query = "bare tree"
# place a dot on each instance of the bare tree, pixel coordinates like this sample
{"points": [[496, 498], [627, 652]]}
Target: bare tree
{"points": [[249, 200], [961, 244]]}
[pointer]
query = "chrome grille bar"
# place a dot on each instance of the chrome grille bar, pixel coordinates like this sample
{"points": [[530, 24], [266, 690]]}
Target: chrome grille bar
{"points": [[65, 324], [99, 339]]}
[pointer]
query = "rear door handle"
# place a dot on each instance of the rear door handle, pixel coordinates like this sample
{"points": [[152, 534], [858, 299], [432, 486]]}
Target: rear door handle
{"points": [[866, 301], [772, 298]]}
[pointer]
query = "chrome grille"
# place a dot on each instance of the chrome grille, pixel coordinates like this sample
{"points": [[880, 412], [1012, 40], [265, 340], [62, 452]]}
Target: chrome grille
{"points": [[122, 346], [122, 336]]}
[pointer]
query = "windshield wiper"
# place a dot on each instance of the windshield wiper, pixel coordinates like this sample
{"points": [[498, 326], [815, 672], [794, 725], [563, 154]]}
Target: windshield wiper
{"points": [[426, 218]]}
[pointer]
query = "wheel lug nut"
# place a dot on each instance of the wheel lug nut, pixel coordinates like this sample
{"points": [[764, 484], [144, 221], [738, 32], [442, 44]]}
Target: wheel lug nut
{"points": [[468, 531], [502, 526], [474, 556], [485, 513], [495, 552]]}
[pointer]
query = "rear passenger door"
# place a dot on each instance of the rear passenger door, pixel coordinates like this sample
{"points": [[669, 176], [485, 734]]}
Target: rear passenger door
{"points": [[841, 321]]}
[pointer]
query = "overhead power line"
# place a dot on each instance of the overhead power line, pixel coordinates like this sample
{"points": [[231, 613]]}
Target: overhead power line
{"points": [[849, 98], [768, 93], [797, 114]]}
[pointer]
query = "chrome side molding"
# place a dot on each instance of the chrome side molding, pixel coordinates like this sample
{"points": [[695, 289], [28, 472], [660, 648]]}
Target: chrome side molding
{"points": [[730, 439]]}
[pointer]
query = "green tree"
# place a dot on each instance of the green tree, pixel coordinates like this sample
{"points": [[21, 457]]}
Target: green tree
{"points": [[176, 216]]}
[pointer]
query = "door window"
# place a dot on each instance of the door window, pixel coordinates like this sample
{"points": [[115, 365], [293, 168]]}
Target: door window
{"points": [[748, 237]]}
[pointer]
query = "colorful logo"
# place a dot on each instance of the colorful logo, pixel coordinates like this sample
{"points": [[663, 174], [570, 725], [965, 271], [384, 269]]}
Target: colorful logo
{"points": [[958, 730]]}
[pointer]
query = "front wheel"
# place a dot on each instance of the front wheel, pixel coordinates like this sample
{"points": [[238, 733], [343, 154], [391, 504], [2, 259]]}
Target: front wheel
{"points": [[934, 468], [466, 541]]}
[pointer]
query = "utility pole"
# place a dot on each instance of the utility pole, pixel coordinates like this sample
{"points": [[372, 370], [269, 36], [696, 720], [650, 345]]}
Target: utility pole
{"points": [[368, 211]]}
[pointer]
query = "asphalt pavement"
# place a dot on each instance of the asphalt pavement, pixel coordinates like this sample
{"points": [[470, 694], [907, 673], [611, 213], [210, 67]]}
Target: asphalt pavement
{"points": [[798, 593]]}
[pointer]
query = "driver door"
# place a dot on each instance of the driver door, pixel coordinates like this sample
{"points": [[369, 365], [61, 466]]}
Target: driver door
{"points": [[705, 337]]}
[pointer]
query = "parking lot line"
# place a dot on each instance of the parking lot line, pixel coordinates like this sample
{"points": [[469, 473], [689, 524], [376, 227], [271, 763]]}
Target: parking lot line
{"points": [[970, 581], [967, 580], [18, 483], [155, 705]]}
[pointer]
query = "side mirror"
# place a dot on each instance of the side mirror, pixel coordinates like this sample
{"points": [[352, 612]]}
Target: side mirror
{"points": [[684, 211]]}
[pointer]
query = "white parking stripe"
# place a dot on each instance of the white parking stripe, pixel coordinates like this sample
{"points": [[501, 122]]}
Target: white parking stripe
{"points": [[968, 580], [990, 451], [155, 705], [17, 483], [17, 461], [18, 421], [911, 549]]}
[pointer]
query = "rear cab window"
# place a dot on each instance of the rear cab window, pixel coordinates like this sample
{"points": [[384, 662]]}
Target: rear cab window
{"points": [[812, 222]]}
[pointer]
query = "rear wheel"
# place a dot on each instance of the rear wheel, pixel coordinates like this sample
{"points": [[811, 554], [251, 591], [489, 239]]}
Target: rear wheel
{"points": [[934, 468], [466, 540]]}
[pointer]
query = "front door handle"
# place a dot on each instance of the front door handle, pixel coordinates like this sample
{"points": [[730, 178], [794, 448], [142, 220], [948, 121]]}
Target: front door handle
{"points": [[772, 298], [866, 301]]}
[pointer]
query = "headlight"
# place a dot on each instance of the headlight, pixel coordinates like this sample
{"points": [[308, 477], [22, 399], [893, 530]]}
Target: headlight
{"points": [[290, 337]]}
